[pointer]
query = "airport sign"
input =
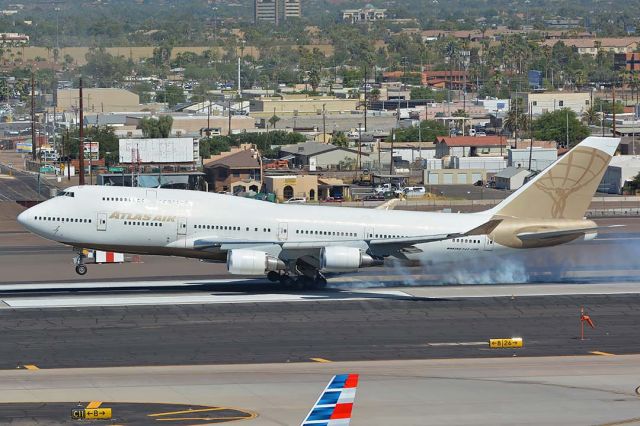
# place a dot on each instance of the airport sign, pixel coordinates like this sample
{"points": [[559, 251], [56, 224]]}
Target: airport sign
{"points": [[513, 342]]}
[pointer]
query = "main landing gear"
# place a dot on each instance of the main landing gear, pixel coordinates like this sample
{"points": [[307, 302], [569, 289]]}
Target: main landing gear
{"points": [[299, 282], [81, 268]]}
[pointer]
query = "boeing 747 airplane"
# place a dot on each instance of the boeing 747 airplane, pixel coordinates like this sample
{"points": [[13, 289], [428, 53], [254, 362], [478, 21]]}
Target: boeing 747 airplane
{"points": [[298, 244]]}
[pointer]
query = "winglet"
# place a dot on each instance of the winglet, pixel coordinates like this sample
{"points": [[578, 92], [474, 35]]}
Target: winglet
{"points": [[334, 406]]}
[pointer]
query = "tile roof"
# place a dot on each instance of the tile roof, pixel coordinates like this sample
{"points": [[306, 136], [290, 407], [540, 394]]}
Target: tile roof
{"points": [[240, 160]]}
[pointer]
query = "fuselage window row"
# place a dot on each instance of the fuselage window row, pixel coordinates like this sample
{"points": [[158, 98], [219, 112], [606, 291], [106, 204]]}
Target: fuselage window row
{"points": [[227, 228], [62, 219]]}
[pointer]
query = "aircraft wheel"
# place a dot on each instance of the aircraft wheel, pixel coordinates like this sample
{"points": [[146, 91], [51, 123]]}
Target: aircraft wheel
{"points": [[320, 282], [81, 269], [273, 276]]}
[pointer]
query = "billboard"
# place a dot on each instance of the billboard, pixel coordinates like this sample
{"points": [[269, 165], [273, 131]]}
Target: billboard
{"points": [[166, 150], [92, 151]]}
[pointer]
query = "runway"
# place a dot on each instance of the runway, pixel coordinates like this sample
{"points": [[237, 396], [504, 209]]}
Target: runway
{"points": [[176, 331]]}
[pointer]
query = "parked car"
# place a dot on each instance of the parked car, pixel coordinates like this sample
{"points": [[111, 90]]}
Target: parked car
{"points": [[415, 190], [333, 200], [478, 183], [373, 197], [296, 200]]}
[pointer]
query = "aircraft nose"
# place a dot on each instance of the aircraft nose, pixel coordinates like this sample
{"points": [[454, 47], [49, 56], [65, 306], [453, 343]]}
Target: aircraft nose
{"points": [[22, 218]]}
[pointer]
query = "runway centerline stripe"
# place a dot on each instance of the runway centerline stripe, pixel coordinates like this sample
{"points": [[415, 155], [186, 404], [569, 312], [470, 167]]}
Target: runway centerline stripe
{"points": [[602, 353], [202, 410], [322, 360]]}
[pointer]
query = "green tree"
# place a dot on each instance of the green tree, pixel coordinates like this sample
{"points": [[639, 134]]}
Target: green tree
{"points": [[516, 119], [172, 95], [104, 69], [340, 139], [428, 131], [156, 127], [591, 116], [553, 126], [274, 120]]}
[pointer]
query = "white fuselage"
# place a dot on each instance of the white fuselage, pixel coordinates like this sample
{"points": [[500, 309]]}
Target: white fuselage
{"points": [[181, 223]]}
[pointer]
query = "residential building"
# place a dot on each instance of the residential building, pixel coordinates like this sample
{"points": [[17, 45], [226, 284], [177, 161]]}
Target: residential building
{"points": [[470, 146], [225, 172], [13, 38], [591, 46], [274, 11], [318, 156], [543, 102], [292, 9], [445, 78], [511, 178], [311, 187], [266, 10], [366, 14]]}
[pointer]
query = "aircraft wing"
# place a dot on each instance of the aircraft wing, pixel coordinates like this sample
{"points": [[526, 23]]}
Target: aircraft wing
{"points": [[407, 244], [334, 406]]}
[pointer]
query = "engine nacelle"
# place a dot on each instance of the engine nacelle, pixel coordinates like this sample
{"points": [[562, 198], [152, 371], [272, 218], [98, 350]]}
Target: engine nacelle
{"points": [[252, 262], [345, 259]]}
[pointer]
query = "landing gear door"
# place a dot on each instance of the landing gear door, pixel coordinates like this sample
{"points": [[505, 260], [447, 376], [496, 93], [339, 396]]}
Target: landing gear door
{"points": [[283, 230], [182, 226], [102, 222]]}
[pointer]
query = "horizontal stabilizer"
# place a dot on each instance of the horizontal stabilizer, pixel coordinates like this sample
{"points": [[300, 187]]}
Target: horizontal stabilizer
{"points": [[562, 232]]}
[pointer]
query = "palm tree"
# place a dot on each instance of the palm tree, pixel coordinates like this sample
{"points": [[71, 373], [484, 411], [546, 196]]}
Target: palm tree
{"points": [[273, 120], [590, 116], [516, 119]]}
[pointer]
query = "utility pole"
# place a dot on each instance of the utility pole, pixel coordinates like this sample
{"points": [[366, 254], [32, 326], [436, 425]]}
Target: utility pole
{"points": [[359, 146], [393, 138], [81, 140], [567, 128], [34, 144], [208, 117], [229, 113], [365, 98], [613, 94], [324, 123]]}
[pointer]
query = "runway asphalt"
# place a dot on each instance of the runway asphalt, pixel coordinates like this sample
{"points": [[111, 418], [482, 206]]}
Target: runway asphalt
{"points": [[177, 331]]}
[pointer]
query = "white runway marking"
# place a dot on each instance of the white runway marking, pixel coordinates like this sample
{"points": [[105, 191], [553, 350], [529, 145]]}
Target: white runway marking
{"points": [[145, 294]]}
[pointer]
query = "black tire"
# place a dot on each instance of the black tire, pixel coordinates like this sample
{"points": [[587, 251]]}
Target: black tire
{"points": [[273, 276], [320, 283], [81, 269]]}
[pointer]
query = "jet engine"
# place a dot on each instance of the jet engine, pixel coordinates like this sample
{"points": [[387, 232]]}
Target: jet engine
{"points": [[252, 262], [345, 259]]}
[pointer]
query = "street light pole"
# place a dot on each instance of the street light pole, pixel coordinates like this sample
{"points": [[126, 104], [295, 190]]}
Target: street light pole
{"points": [[81, 139]]}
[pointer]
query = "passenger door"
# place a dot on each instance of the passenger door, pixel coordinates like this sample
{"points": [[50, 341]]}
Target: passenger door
{"points": [[182, 227], [102, 222], [283, 230]]}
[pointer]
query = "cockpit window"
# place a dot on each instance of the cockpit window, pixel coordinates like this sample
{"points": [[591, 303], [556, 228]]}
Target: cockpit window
{"points": [[66, 194]]}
